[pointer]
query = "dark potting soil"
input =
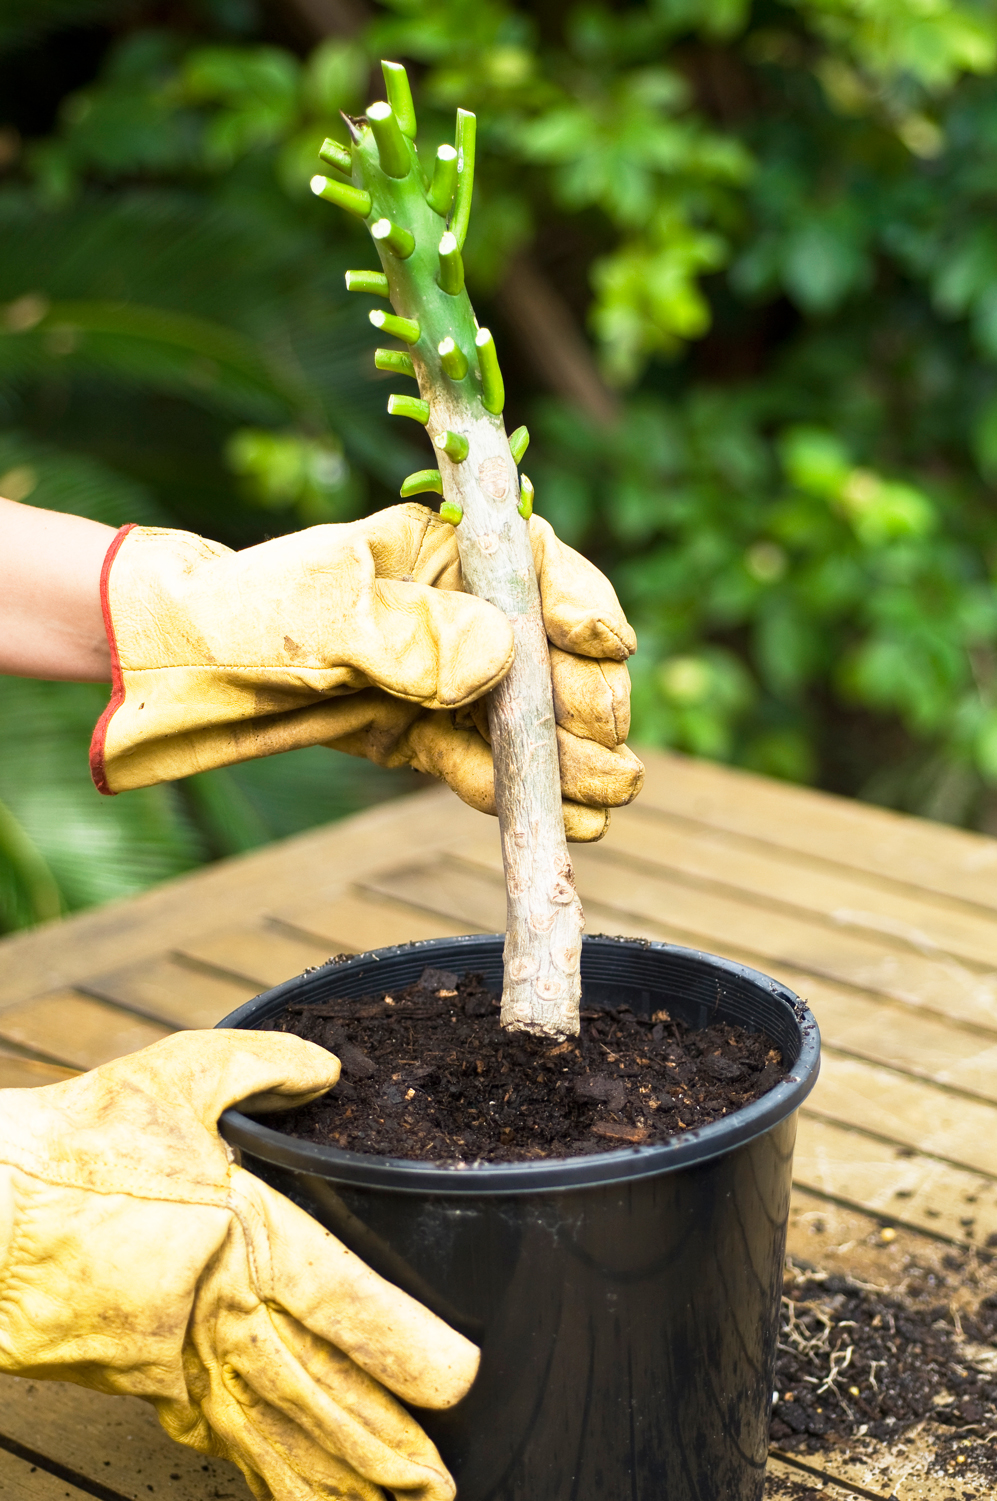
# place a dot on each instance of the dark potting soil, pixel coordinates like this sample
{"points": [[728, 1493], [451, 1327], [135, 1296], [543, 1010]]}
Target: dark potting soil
{"points": [[429, 1074], [857, 1361]]}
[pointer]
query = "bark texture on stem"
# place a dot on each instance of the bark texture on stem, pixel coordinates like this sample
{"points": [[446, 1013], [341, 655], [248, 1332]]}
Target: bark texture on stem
{"points": [[542, 984]]}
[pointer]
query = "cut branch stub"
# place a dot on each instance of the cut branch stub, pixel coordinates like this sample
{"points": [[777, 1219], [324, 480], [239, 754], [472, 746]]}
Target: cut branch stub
{"points": [[440, 195], [374, 282], [453, 360], [519, 442], [395, 360], [335, 155], [423, 482], [454, 445], [460, 402]]}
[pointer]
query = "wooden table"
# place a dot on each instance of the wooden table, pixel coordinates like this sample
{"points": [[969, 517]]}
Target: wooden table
{"points": [[887, 924]]}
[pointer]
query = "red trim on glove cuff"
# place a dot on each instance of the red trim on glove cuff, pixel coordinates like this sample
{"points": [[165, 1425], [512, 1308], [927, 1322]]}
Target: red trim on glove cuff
{"points": [[117, 681]]}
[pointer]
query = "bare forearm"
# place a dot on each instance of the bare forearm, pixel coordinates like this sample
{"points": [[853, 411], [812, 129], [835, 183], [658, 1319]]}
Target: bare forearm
{"points": [[50, 616]]}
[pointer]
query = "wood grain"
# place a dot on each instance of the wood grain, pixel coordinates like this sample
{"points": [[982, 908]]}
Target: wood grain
{"points": [[169, 991], [315, 866], [19, 1072], [895, 1183], [78, 1030], [716, 860], [362, 920], [114, 1440], [907, 1112], [263, 954], [22, 1481], [903, 851]]}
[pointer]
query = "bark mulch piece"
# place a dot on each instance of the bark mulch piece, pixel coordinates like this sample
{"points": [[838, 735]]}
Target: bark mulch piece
{"points": [[430, 1075]]}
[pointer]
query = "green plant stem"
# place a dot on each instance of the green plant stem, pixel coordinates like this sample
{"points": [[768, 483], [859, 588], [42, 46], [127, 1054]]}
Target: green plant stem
{"points": [[460, 402], [409, 406]]}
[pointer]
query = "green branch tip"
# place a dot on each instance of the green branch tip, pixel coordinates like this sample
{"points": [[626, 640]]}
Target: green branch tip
{"points": [[451, 276], [519, 443], [391, 148], [335, 155], [451, 511], [453, 359], [525, 507], [492, 384], [409, 406], [395, 360], [466, 128], [454, 445], [353, 200], [420, 482], [400, 97], [367, 281], [440, 195], [398, 240], [395, 327]]}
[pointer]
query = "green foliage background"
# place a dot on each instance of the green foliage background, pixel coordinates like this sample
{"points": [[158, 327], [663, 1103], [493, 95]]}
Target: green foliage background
{"points": [[775, 222]]}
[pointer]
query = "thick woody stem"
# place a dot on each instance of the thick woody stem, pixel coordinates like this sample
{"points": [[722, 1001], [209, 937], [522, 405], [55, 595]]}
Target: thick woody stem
{"points": [[542, 987], [460, 402]]}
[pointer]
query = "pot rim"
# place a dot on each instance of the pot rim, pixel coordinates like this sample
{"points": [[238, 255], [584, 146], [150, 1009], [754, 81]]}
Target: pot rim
{"points": [[552, 1174]]}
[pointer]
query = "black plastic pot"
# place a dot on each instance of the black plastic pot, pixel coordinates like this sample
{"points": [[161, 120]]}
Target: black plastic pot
{"points": [[626, 1303]]}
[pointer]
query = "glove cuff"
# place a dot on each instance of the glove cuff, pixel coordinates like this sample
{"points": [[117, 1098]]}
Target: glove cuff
{"points": [[99, 740]]}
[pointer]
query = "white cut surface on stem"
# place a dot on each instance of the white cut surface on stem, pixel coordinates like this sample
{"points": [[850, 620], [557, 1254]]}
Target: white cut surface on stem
{"points": [[542, 989]]}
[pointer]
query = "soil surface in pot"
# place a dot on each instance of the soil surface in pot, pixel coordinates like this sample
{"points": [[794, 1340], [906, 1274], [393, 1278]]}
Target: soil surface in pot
{"points": [[429, 1074]]}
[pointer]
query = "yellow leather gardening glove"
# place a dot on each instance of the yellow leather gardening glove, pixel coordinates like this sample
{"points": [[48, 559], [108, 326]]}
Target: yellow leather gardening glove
{"points": [[358, 637], [136, 1258]]}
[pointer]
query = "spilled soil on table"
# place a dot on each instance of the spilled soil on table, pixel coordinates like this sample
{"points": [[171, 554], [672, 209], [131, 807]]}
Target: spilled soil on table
{"points": [[430, 1075], [859, 1362]]}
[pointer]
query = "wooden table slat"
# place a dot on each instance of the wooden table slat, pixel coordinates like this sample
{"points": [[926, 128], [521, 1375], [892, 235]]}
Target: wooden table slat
{"points": [[362, 920], [840, 899], [893, 1182], [18, 1072], [22, 1481], [262, 954], [909, 1112], [898, 849], [116, 1441], [78, 1029], [169, 991], [853, 1021]]}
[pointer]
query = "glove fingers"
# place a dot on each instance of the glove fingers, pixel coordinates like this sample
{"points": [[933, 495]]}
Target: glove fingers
{"points": [[189, 1426], [434, 646], [581, 611], [278, 1460], [212, 1070], [387, 1333], [410, 541], [595, 776], [591, 697], [584, 825], [590, 774], [325, 1395]]}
